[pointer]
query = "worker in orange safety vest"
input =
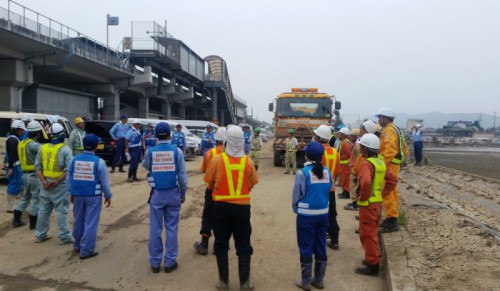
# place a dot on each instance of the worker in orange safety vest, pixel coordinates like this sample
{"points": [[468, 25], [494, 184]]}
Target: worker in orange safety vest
{"points": [[393, 149], [232, 176]]}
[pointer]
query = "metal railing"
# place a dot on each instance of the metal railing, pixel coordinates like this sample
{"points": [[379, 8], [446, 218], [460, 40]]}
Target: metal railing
{"points": [[146, 36], [31, 24]]}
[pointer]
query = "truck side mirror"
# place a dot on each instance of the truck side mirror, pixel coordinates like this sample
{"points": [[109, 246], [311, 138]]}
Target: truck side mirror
{"points": [[337, 105], [271, 107]]}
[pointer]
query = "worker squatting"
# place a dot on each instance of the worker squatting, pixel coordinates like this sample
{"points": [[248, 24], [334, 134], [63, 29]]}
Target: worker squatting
{"points": [[230, 175]]}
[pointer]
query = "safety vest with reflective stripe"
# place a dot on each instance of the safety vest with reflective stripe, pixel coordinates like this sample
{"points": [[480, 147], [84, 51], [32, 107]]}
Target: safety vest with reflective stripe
{"points": [[330, 158], [85, 180], [80, 148], [399, 157], [377, 182], [213, 152], [49, 157], [27, 165], [316, 199], [343, 162], [231, 189]]}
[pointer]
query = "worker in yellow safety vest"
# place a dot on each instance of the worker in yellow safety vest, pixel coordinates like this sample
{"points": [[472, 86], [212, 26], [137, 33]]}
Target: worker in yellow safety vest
{"points": [[51, 164], [393, 149], [291, 144], [75, 141], [232, 176]]}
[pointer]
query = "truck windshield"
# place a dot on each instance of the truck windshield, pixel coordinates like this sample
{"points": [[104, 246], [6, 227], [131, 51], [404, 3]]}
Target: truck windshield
{"points": [[303, 107]]}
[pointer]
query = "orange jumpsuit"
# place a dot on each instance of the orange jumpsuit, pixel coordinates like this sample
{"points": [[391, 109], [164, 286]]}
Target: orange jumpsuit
{"points": [[369, 216], [345, 170], [355, 153], [389, 148]]}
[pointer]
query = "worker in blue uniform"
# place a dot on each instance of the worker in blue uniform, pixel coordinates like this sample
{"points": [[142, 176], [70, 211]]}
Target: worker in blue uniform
{"points": [[179, 138], [310, 202], [247, 134], [207, 140], [168, 180], [148, 137], [133, 142], [118, 132], [13, 165], [87, 181]]}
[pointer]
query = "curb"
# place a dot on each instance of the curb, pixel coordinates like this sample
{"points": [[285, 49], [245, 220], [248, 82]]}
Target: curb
{"points": [[398, 276]]}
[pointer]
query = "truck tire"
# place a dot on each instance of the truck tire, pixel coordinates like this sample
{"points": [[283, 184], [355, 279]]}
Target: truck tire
{"points": [[277, 159]]}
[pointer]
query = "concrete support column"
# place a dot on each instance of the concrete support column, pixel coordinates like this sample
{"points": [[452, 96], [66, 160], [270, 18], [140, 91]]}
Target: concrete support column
{"points": [[182, 111], [166, 108], [214, 102], [112, 108], [221, 120], [9, 98], [143, 107]]}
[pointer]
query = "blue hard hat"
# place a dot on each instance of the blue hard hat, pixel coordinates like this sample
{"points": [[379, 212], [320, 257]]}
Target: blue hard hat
{"points": [[150, 125], [208, 126], [314, 150], [90, 141], [124, 116], [162, 128]]}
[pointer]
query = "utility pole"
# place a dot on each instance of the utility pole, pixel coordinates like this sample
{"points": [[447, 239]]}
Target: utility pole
{"points": [[494, 120]]}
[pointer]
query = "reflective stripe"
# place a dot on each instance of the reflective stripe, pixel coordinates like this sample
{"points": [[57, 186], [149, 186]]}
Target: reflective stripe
{"points": [[377, 182], [134, 145], [312, 211], [49, 156], [151, 182], [16, 163], [81, 140], [330, 159], [398, 159], [27, 165]]}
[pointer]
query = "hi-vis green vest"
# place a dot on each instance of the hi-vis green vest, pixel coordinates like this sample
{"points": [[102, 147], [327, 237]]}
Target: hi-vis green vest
{"points": [[377, 182], [399, 157], [49, 156], [27, 165], [343, 162]]}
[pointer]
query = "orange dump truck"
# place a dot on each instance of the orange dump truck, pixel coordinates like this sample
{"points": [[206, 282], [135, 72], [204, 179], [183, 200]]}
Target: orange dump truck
{"points": [[301, 110]]}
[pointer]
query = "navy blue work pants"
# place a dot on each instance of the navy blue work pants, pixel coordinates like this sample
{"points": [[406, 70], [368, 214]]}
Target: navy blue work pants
{"points": [[311, 237], [120, 156], [232, 220], [417, 148]]}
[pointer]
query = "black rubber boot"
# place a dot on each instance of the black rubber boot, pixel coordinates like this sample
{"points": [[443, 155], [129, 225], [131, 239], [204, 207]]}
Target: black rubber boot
{"points": [[319, 274], [368, 270], [201, 247], [305, 282], [33, 219], [17, 222], [256, 168], [134, 177], [244, 272], [130, 175], [391, 225], [223, 267]]}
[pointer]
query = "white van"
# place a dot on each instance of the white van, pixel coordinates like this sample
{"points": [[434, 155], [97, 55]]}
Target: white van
{"points": [[6, 118], [192, 141], [197, 127]]}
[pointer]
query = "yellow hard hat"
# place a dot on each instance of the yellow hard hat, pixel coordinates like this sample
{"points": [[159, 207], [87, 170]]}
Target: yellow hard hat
{"points": [[378, 127], [355, 132], [78, 120]]}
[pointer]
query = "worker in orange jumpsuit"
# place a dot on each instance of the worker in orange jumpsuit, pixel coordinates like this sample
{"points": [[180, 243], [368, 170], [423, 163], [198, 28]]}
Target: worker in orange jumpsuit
{"points": [[353, 137], [345, 170], [331, 160], [372, 176], [393, 149], [201, 247], [232, 176]]}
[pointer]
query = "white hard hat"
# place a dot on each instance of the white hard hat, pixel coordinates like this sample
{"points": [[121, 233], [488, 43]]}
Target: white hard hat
{"points": [[344, 130], [133, 121], [53, 118], [34, 126], [418, 125], [27, 117], [57, 128], [220, 135], [18, 124], [387, 112], [370, 126], [371, 141], [323, 131], [235, 142]]}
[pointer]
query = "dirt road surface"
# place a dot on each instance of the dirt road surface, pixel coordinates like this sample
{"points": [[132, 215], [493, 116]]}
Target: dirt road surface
{"points": [[123, 263]]}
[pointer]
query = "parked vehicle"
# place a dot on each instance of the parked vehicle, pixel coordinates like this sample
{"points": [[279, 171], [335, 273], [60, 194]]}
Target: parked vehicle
{"points": [[263, 134], [106, 148], [6, 118]]}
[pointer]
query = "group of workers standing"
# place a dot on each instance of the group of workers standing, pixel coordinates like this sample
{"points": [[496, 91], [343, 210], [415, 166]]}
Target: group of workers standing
{"points": [[367, 161]]}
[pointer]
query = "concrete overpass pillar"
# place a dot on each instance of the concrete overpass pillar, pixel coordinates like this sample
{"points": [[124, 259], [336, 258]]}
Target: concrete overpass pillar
{"points": [[182, 111], [214, 102], [112, 109], [143, 107], [9, 98], [166, 108]]}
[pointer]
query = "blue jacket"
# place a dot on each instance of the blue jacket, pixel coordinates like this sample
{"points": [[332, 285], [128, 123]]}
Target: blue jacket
{"points": [[163, 166], [204, 140], [310, 194], [179, 140], [134, 138], [150, 141], [87, 176]]}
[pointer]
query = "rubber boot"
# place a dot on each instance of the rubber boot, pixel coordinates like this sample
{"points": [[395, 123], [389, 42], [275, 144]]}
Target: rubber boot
{"points": [[368, 270], [244, 272], [201, 247], [390, 226], [319, 274], [305, 282], [130, 174], [17, 222], [256, 168], [223, 267], [33, 219], [134, 177]]}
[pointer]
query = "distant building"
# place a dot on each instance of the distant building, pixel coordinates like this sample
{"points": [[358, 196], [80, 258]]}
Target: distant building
{"points": [[459, 128]]}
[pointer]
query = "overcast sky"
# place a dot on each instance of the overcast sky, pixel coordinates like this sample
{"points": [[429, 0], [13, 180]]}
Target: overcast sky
{"points": [[415, 56]]}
